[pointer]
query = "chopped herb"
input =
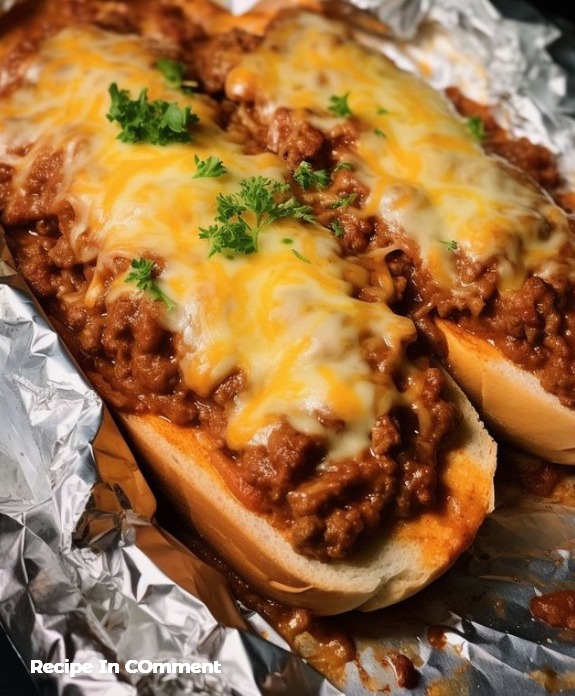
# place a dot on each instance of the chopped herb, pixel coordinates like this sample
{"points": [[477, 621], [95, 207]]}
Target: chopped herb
{"points": [[141, 275], [451, 245], [380, 133], [306, 177], [174, 72], [344, 201], [235, 236], [339, 105], [337, 228], [261, 201], [301, 257], [381, 111], [210, 167], [158, 122], [476, 127], [343, 165], [287, 240]]}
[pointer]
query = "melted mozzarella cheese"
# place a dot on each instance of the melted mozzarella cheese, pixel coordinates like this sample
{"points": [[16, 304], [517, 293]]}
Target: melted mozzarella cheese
{"points": [[291, 324], [428, 177]]}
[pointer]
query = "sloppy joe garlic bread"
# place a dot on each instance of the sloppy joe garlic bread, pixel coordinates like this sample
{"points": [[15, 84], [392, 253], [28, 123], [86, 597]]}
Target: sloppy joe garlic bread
{"points": [[401, 559], [224, 316], [469, 238]]}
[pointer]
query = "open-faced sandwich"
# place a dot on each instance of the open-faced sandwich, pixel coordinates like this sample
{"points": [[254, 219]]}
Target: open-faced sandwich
{"points": [[240, 236]]}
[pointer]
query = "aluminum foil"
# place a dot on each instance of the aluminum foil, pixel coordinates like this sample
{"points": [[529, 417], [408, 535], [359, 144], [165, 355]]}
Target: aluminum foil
{"points": [[86, 575], [493, 59], [472, 632]]}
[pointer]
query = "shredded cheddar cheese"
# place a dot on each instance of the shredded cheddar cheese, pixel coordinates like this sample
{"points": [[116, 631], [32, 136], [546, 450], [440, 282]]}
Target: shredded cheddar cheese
{"points": [[291, 325], [428, 176]]}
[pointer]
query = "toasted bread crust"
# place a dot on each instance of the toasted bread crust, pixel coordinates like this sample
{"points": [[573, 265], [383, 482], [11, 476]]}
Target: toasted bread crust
{"points": [[511, 399], [404, 557]]}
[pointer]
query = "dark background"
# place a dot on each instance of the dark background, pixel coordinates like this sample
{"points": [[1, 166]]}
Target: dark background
{"points": [[14, 678]]}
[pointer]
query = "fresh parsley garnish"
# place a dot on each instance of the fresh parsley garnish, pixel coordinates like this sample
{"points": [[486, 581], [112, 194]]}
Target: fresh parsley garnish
{"points": [[174, 72], [337, 228], [339, 105], [451, 245], [381, 111], [306, 177], [210, 167], [476, 127], [158, 122], [301, 257], [287, 240], [230, 238], [380, 133], [141, 275], [344, 201], [241, 216], [343, 165]]}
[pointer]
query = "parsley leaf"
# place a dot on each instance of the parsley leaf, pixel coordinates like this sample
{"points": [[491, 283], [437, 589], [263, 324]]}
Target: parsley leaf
{"points": [[450, 245], [241, 216], [158, 122], [337, 228], [210, 167], [380, 133], [141, 275], [339, 105], [306, 177], [234, 236], [344, 201], [381, 111], [301, 257], [476, 127], [343, 165], [174, 72]]}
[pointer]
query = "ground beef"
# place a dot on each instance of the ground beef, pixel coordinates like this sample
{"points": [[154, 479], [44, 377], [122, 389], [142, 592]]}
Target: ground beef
{"points": [[535, 328], [166, 26], [341, 503], [417, 484], [535, 160], [293, 138], [119, 17], [212, 58], [35, 198]]}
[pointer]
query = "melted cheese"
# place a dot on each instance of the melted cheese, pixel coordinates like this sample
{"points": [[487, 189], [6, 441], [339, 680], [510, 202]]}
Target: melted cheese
{"points": [[427, 176], [291, 325]]}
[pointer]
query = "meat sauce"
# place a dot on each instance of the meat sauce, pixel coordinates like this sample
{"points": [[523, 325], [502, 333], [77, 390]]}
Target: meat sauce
{"points": [[535, 326], [555, 608], [133, 362]]}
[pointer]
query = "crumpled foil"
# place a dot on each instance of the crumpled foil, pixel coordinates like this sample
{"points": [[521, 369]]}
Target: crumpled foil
{"points": [[86, 574], [472, 631], [493, 59]]}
